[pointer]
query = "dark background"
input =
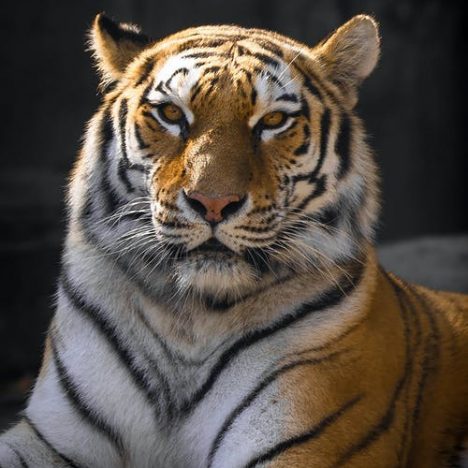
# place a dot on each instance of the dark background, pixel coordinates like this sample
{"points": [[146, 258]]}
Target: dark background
{"points": [[414, 106]]}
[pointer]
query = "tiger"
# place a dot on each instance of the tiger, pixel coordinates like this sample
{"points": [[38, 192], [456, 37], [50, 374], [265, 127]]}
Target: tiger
{"points": [[220, 302]]}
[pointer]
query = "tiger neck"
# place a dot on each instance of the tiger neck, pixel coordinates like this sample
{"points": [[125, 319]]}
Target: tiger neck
{"points": [[335, 296], [196, 326]]}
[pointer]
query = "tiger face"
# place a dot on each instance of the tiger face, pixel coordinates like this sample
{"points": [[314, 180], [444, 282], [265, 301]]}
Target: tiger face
{"points": [[245, 146]]}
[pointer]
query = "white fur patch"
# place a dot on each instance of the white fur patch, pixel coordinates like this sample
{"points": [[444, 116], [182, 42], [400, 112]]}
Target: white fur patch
{"points": [[181, 84], [270, 85]]}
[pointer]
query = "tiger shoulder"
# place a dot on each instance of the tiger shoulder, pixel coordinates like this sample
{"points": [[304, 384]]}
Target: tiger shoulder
{"points": [[220, 302]]}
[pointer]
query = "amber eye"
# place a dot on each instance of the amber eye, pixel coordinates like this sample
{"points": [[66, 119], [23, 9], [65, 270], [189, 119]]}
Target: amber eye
{"points": [[171, 113], [273, 119]]}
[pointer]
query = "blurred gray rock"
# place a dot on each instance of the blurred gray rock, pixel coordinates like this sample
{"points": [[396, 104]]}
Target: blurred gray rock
{"points": [[436, 262]]}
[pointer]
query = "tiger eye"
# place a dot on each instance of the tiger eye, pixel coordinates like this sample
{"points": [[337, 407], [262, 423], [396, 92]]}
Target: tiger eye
{"points": [[171, 112], [273, 119]]}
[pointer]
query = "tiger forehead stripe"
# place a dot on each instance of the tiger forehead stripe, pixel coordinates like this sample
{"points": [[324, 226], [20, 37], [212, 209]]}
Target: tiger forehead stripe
{"points": [[271, 77], [265, 39]]}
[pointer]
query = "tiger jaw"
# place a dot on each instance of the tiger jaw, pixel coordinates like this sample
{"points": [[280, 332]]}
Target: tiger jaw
{"points": [[219, 273]]}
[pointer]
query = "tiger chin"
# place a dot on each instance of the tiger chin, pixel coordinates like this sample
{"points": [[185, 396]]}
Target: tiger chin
{"points": [[220, 302]]}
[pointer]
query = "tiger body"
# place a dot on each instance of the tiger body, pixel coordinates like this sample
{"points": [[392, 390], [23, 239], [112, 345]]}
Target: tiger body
{"points": [[221, 304]]}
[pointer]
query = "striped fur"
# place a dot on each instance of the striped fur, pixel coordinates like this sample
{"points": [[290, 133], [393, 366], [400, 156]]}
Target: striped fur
{"points": [[271, 338]]}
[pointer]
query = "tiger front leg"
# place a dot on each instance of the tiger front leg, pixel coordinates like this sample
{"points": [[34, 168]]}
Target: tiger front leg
{"points": [[22, 446], [59, 428]]}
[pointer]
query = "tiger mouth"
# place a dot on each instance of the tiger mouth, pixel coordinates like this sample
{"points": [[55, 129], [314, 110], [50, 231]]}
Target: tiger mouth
{"points": [[214, 250], [212, 246]]}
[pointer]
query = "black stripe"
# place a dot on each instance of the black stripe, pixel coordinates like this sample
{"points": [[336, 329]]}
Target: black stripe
{"points": [[240, 50], [308, 83], [270, 46], [195, 91], [124, 266], [73, 394], [182, 70], [124, 162], [104, 189], [324, 133], [305, 437], [150, 115], [18, 456], [311, 177], [431, 354], [270, 76], [219, 33], [123, 353], [147, 69], [319, 190], [141, 143], [160, 89], [206, 55], [257, 230], [200, 43], [171, 355], [304, 147], [211, 84], [208, 83], [263, 209], [163, 383], [217, 304], [213, 69], [248, 400], [107, 88], [388, 418], [329, 298], [456, 456], [305, 109], [173, 224], [343, 146], [144, 95], [312, 88], [107, 134], [315, 86], [247, 74], [264, 58], [55, 452], [328, 216], [253, 96], [406, 441], [288, 97]]}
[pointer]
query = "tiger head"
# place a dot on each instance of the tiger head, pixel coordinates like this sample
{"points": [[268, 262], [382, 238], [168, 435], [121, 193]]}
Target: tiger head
{"points": [[245, 146]]}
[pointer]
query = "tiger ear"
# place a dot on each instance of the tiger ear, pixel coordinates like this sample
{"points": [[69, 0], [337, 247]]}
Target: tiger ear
{"points": [[350, 54], [114, 46]]}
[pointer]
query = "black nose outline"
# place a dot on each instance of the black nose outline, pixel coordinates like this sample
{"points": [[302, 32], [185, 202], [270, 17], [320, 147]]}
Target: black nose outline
{"points": [[226, 212]]}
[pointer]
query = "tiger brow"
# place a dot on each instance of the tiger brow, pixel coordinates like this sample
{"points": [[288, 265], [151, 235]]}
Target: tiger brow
{"points": [[269, 75], [288, 97], [160, 88], [183, 70]]}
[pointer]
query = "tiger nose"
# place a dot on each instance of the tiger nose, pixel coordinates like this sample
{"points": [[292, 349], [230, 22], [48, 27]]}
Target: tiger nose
{"points": [[214, 209]]}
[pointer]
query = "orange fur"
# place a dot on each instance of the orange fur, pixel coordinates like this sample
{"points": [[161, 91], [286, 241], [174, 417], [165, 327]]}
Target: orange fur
{"points": [[406, 359]]}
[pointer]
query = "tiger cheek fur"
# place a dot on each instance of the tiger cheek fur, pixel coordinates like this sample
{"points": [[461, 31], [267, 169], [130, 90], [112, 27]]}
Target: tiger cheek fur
{"points": [[220, 303]]}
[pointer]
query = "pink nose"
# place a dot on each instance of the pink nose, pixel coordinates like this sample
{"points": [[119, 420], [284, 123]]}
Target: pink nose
{"points": [[211, 208]]}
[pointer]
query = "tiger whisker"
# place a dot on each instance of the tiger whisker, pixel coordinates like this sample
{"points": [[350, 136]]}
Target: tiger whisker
{"points": [[288, 66]]}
